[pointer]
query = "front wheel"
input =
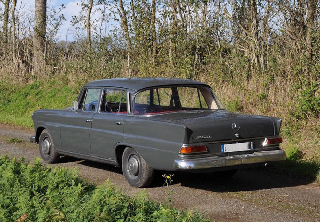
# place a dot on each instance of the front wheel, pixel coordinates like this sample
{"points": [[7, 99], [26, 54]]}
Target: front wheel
{"points": [[47, 149], [135, 169]]}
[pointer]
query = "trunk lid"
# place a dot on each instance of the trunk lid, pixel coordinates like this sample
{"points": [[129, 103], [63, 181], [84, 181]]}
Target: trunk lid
{"points": [[220, 125]]}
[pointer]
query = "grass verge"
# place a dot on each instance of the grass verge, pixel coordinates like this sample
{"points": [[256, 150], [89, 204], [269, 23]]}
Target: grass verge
{"points": [[18, 102], [39, 193], [297, 167]]}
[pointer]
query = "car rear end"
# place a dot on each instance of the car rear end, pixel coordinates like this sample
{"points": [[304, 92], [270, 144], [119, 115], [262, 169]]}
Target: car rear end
{"points": [[233, 141]]}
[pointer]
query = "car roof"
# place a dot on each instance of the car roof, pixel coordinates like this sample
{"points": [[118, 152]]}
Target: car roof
{"points": [[137, 84]]}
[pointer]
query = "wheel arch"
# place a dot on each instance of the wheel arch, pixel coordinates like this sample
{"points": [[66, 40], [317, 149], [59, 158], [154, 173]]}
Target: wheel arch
{"points": [[119, 152], [38, 132]]}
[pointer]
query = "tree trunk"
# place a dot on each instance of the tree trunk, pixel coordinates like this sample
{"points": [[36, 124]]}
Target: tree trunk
{"points": [[135, 21], [13, 29], [5, 24], [182, 17], [254, 43], [89, 25], [39, 36], [173, 32], [310, 26], [204, 14], [154, 34], [218, 25], [124, 25]]}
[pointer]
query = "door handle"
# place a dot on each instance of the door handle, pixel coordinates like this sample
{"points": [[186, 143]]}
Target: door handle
{"points": [[88, 120], [119, 123]]}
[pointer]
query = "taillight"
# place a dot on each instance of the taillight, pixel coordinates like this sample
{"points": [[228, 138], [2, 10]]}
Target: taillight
{"points": [[193, 149], [269, 141]]}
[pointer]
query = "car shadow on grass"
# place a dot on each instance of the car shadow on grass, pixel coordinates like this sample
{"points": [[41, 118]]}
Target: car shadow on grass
{"points": [[286, 174]]}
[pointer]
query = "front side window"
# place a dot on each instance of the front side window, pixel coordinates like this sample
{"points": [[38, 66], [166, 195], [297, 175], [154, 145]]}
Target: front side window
{"points": [[174, 99], [90, 100], [114, 101]]}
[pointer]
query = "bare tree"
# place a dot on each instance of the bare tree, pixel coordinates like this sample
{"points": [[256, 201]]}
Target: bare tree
{"points": [[39, 36], [124, 25], [13, 29], [5, 22], [89, 24], [253, 29], [154, 34], [312, 9]]}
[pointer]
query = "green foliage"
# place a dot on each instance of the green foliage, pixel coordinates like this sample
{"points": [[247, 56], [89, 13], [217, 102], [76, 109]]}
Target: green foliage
{"points": [[235, 105], [309, 102], [57, 194], [293, 153]]}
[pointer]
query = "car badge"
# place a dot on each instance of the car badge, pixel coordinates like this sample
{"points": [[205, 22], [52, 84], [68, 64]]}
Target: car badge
{"points": [[203, 137], [235, 128]]}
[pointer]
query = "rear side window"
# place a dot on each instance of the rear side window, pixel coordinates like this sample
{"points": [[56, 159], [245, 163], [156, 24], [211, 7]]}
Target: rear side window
{"points": [[114, 101], [191, 98], [166, 99]]}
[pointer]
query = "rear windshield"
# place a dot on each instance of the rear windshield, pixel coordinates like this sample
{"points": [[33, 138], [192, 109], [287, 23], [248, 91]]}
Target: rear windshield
{"points": [[159, 100]]}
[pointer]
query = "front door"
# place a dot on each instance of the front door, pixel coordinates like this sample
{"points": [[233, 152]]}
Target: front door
{"points": [[76, 125]]}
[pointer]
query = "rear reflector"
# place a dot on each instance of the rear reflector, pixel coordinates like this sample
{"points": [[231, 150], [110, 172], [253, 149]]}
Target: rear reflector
{"points": [[269, 141], [193, 149]]}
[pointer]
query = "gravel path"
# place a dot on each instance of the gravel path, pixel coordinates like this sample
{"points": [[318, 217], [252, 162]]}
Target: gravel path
{"points": [[250, 195]]}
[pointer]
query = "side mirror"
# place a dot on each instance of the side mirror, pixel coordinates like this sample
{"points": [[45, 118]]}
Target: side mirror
{"points": [[75, 106]]}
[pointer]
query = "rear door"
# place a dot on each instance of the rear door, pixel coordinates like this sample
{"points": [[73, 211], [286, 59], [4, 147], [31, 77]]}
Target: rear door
{"points": [[76, 125], [107, 125]]}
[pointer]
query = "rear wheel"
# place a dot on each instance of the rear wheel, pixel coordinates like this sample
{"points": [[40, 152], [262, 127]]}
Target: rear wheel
{"points": [[135, 169], [47, 149]]}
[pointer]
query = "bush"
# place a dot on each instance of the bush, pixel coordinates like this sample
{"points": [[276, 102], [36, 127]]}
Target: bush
{"points": [[40, 193], [309, 102]]}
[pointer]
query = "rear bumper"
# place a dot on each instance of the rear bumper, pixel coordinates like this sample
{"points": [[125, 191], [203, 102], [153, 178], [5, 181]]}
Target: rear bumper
{"points": [[32, 139], [228, 161]]}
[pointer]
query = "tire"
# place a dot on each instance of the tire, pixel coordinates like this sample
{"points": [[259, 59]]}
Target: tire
{"points": [[47, 149], [135, 169]]}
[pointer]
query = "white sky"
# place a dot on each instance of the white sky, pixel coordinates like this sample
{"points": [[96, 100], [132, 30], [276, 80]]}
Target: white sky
{"points": [[72, 8]]}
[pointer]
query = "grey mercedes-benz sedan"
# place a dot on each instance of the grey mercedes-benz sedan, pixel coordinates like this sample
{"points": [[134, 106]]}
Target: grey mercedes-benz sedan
{"points": [[147, 124]]}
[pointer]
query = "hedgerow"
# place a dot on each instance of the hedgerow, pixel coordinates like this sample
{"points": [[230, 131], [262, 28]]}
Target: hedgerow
{"points": [[35, 192]]}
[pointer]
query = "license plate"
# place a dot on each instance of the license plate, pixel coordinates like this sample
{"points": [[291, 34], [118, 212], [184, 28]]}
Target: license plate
{"points": [[236, 147]]}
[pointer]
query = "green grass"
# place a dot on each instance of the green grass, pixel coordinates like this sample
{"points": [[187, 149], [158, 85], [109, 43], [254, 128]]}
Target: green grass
{"points": [[46, 194], [18, 102], [298, 168]]}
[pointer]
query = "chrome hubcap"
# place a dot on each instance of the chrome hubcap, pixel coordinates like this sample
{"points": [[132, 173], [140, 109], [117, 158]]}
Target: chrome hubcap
{"points": [[45, 146], [133, 165]]}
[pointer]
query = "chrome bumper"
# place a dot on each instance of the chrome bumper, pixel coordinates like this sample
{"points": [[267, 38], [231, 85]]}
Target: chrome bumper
{"points": [[32, 139], [244, 159]]}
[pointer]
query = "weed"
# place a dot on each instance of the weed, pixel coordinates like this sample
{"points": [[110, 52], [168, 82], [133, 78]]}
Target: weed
{"points": [[14, 140], [167, 182]]}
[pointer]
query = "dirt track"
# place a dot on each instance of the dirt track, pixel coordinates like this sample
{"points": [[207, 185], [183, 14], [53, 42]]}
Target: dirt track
{"points": [[250, 195]]}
